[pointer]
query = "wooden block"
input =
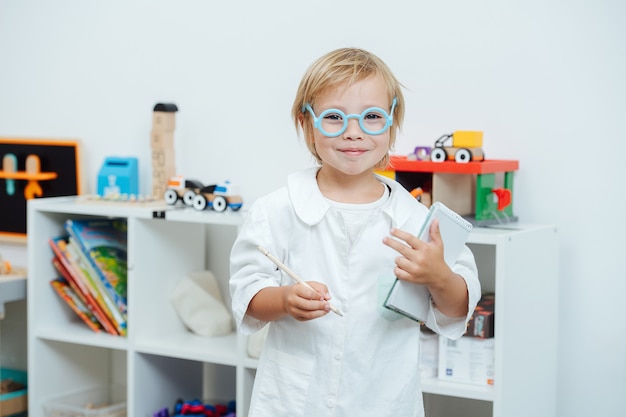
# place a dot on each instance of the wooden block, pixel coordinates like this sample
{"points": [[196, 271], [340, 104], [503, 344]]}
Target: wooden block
{"points": [[163, 121], [456, 191], [160, 139], [468, 139]]}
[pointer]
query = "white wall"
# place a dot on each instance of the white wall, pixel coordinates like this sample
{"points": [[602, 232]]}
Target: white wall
{"points": [[545, 81]]}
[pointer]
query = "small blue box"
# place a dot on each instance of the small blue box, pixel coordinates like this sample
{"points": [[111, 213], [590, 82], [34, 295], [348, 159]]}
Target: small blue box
{"points": [[119, 176]]}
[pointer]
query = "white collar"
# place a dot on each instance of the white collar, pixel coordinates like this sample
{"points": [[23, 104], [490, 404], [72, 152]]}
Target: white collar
{"points": [[311, 206]]}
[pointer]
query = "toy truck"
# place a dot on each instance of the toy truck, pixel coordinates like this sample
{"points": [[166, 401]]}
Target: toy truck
{"points": [[217, 197], [180, 188], [466, 147]]}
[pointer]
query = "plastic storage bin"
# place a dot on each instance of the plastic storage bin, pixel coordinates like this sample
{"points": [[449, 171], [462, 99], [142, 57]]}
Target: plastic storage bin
{"points": [[93, 402]]}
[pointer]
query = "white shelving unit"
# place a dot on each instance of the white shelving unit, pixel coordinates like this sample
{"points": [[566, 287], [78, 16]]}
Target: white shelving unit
{"points": [[160, 361], [520, 265]]}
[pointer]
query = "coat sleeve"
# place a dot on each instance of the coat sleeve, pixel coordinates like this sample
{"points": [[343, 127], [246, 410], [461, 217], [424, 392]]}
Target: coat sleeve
{"points": [[250, 270], [453, 327]]}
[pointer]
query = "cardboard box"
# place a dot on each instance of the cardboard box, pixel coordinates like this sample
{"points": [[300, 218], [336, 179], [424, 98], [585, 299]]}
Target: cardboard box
{"points": [[14, 402], [482, 322], [467, 360]]}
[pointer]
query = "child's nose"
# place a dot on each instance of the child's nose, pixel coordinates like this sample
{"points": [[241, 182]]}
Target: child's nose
{"points": [[353, 131]]}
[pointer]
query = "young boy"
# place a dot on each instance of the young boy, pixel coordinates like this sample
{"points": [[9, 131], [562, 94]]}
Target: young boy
{"points": [[348, 233]]}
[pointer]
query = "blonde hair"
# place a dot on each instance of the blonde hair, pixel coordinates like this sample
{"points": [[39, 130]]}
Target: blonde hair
{"points": [[339, 67]]}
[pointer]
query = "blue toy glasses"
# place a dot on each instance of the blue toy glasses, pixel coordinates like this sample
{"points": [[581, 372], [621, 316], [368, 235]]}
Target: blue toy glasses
{"points": [[333, 122]]}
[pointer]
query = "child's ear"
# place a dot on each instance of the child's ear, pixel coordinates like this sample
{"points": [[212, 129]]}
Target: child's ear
{"points": [[301, 120]]}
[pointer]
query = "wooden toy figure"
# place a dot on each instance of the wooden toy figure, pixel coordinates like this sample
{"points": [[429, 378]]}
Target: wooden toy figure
{"points": [[162, 145]]}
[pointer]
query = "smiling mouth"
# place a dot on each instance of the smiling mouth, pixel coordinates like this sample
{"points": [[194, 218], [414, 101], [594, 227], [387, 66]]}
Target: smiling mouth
{"points": [[353, 151]]}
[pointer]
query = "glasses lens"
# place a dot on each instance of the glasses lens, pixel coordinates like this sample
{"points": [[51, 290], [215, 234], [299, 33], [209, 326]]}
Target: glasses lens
{"points": [[332, 121], [374, 121]]}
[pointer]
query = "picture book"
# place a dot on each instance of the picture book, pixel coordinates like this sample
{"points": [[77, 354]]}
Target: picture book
{"points": [[81, 261], [103, 241], [65, 291], [69, 269], [413, 300]]}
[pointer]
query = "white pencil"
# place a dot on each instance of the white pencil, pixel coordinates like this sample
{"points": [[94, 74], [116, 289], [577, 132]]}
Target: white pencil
{"points": [[293, 275]]}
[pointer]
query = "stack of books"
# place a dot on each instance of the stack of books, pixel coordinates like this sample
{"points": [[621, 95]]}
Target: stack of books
{"points": [[91, 260]]}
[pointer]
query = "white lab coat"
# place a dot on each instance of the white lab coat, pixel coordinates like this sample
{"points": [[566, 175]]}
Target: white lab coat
{"points": [[362, 364]]}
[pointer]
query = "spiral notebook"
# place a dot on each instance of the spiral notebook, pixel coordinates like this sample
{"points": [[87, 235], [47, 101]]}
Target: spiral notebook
{"points": [[413, 300]]}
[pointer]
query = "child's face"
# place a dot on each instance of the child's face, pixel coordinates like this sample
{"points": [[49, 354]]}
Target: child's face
{"points": [[353, 152]]}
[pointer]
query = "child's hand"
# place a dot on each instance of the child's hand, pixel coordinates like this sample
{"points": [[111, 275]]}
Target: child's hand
{"points": [[419, 262], [304, 304]]}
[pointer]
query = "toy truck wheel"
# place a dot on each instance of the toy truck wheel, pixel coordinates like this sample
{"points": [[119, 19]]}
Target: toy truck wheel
{"points": [[188, 197], [170, 197], [438, 155], [463, 156], [199, 202], [219, 204]]}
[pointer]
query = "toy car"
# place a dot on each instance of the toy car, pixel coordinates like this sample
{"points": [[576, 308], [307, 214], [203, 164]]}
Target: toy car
{"points": [[466, 147], [217, 197], [179, 188]]}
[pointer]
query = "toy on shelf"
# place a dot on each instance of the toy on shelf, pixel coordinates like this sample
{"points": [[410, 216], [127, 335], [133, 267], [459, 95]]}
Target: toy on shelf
{"points": [[199, 408], [121, 198], [480, 191], [162, 145], [420, 153], [466, 147], [32, 174], [422, 196], [217, 197], [5, 266], [180, 188], [118, 176]]}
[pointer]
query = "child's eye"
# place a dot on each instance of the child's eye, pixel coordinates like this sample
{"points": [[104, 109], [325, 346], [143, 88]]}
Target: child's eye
{"points": [[373, 116], [333, 117]]}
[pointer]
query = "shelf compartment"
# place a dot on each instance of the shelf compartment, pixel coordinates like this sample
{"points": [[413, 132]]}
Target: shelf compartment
{"points": [[156, 326], [162, 380], [69, 366]]}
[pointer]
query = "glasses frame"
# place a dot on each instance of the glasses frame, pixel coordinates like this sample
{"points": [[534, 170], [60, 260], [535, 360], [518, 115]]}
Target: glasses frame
{"points": [[317, 121]]}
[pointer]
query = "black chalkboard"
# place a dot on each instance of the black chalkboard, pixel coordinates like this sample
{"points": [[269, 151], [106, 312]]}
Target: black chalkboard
{"points": [[55, 156]]}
